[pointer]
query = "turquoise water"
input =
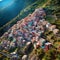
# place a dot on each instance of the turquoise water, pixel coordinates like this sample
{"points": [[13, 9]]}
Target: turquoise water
{"points": [[11, 8]]}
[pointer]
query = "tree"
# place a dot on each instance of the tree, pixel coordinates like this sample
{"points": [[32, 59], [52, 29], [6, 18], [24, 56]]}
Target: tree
{"points": [[40, 53], [50, 55]]}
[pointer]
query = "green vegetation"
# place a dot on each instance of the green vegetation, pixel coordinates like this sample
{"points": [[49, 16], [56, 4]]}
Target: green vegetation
{"points": [[51, 54], [54, 18]]}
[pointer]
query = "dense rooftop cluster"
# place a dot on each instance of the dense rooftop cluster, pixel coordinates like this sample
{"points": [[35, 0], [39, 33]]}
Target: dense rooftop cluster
{"points": [[31, 29]]}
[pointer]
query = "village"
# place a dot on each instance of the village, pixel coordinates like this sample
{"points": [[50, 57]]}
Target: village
{"points": [[29, 30]]}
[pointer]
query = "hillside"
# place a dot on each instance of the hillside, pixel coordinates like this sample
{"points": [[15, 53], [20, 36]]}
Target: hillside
{"points": [[49, 7], [34, 34], [23, 13]]}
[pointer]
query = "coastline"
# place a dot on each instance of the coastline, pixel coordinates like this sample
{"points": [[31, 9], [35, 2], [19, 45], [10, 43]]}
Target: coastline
{"points": [[23, 12]]}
